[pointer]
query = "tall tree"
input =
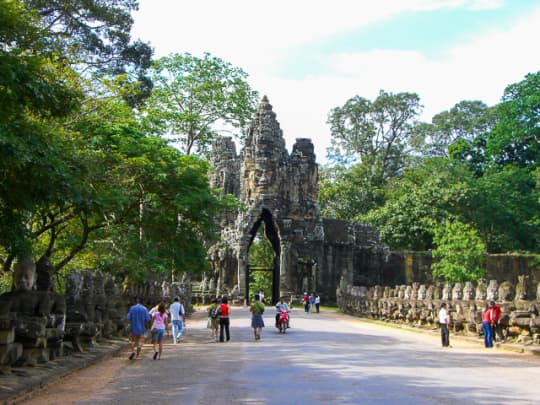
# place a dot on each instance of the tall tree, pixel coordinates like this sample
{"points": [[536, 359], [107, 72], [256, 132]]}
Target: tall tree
{"points": [[466, 121], [371, 140], [424, 198], [194, 98], [459, 252], [516, 137], [374, 133], [137, 201], [94, 37], [36, 90]]}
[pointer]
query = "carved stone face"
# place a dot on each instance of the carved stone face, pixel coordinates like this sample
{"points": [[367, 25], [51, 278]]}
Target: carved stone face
{"points": [[468, 291], [481, 291], [506, 291], [457, 292], [24, 276], [422, 292]]}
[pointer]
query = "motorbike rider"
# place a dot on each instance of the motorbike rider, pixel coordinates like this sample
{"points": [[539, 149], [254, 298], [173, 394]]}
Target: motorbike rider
{"points": [[281, 306]]}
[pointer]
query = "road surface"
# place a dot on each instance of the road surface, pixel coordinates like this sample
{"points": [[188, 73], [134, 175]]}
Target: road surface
{"points": [[324, 358]]}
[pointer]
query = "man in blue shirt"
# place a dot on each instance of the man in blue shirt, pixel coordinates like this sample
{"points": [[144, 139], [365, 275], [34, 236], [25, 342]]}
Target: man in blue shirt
{"points": [[138, 320]]}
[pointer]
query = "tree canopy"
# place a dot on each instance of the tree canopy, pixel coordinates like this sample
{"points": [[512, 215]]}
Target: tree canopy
{"points": [[194, 98], [472, 170], [84, 182]]}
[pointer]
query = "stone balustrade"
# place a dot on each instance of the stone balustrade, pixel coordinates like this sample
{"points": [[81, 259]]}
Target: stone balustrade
{"points": [[418, 305], [36, 326]]}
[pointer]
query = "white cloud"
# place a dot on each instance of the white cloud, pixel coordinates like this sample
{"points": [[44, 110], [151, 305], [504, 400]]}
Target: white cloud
{"points": [[257, 36]]}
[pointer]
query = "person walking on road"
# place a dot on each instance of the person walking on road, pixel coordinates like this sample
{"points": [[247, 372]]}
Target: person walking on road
{"points": [[213, 319], [317, 303], [312, 302], [177, 319], [444, 320], [487, 325], [160, 320], [138, 320], [224, 321], [306, 303], [257, 321]]}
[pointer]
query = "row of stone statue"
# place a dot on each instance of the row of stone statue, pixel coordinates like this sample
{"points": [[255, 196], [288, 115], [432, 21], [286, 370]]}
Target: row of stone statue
{"points": [[524, 289], [418, 305], [38, 325]]}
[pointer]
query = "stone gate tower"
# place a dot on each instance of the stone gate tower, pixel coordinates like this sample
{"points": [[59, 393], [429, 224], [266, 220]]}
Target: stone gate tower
{"points": [[311, 253]]}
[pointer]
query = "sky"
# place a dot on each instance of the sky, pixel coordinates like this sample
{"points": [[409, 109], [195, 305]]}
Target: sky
{"points": [[309, 56]]}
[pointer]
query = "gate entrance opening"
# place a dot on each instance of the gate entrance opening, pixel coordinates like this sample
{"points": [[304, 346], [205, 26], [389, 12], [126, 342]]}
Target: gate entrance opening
{"points": [[263, 259]]}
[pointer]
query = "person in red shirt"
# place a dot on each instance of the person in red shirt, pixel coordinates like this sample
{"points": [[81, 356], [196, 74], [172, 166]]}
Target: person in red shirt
{"points": [[306, 303], [496, 321], [487, 326], [224, 322]]}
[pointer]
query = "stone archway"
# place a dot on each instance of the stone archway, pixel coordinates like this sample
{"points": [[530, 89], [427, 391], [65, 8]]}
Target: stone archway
{"points": [[280, 189], [271, 232]]}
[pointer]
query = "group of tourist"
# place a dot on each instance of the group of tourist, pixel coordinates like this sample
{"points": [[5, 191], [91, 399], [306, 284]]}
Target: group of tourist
{"points": [[312, 302], [139, 320], [160, 319], [491, 326], [218, 318]]}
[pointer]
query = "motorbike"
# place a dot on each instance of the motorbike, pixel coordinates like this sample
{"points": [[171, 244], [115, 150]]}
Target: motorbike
{"points": [[283, 321]]}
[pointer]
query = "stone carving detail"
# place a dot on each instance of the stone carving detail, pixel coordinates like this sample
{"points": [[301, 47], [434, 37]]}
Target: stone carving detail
{"points": [[524, 288], [280, 190], [481, 291], [32, 322], [457, 292], [506, 291], [447, 292], [468, 291], [492, 290], [422, 292]]}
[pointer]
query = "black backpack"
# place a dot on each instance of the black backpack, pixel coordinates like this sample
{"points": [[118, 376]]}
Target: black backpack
{"points": [[213, 313]]}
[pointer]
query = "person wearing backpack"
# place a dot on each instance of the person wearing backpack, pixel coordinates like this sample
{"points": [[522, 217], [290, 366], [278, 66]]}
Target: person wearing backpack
{"points": [[257, 322], [177, 313], [213, 320], [224, 322]]}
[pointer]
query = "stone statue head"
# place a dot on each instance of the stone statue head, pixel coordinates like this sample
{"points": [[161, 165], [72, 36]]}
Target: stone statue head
{"points": [[408, 292], [429, 292], [493, 290], [422, 292], [506, 291], [523, 288], [24, 275], [447, 292], [468, 291], [481, 290], [457, 292]]}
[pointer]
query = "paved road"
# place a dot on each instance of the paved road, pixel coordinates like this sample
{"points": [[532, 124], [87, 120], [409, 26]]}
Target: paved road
{"points": [[325, 358]]}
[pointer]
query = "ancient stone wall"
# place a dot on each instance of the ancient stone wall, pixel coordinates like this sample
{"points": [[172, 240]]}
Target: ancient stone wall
{"points": [[409, 267]]}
